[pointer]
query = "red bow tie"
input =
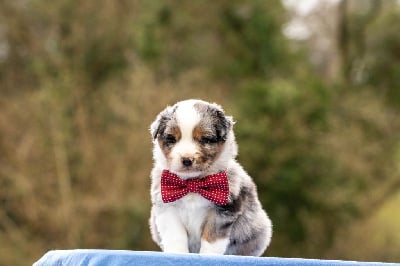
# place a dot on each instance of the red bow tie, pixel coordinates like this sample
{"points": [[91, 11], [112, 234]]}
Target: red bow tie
{"points": [[214, 187]]}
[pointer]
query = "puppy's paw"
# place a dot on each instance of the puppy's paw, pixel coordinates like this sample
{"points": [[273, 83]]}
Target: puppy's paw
{"points": [[216, 247], [176, 248]]}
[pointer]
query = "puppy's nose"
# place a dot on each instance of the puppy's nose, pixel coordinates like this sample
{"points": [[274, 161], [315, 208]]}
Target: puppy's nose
{"points": [[186, 161]]}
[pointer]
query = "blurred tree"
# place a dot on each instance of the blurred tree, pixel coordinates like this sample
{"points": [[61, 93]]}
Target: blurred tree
{"points": [[370, 54], [234, 39], [62, 64], [251, 40], [297, 178], [81, 82], [354, 17], [286, 143], [382, 56]]}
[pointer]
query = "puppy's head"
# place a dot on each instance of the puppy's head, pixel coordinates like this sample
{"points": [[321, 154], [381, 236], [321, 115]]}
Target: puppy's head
{"points": [[192, 136]]}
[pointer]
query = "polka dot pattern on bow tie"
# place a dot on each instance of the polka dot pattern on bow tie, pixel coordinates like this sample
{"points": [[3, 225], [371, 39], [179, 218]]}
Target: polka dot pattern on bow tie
{"points": [[213, 187]]}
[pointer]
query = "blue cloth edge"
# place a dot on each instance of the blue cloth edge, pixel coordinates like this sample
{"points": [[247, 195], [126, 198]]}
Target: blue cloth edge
{"points": [[119, 257]]}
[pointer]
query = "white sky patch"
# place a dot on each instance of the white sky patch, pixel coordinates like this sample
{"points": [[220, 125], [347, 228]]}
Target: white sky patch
{"points": [[302, 7], [296, 28]]}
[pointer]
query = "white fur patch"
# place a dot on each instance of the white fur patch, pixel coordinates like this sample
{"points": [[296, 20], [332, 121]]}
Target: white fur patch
{"points": [[173, 234], [218, 247], [187, 118], [192, 211]]}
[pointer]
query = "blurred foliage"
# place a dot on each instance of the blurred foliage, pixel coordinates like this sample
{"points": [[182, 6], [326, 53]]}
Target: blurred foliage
{"points": [[373, 46], [81, 83], [383, 58]]}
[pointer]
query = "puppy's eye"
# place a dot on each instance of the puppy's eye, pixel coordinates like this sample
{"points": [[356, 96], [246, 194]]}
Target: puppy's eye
{"points": [[208, 140], [170, 139]]}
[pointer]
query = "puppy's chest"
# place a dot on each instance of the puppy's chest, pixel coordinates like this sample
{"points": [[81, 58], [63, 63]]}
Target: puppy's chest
{"points": [[193, 210]]}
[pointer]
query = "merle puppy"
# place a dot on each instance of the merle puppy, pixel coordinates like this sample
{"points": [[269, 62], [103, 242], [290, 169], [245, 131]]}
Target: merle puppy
{"points": [[202, 199]]}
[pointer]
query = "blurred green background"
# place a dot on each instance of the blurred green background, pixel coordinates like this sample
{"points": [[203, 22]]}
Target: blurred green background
{"points": [[313, 85]]}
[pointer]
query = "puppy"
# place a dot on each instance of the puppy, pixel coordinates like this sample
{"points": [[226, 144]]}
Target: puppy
{"points": [[202, 199]]}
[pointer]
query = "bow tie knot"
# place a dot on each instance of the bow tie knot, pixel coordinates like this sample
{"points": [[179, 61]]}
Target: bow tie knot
{"points": [[214, 188], [192, 186]]}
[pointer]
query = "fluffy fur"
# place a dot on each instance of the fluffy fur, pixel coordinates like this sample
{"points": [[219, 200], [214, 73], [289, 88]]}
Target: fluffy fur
{"points": [[193, 139]]}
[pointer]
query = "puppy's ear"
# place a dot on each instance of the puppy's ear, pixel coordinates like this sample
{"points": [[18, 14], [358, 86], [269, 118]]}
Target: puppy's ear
{"points": [[158, 126], [223, 123]]}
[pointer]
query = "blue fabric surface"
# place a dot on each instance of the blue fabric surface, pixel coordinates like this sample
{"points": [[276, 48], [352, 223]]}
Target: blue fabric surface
{"points": [[92, 257]]}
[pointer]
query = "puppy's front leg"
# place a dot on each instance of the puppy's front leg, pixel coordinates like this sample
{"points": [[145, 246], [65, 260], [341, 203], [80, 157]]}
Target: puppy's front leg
{"points": [[215, 235], [173, 234]]}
